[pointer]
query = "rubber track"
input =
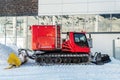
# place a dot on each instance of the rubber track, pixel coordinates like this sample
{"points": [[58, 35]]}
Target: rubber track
{"points": [[63, 59]]}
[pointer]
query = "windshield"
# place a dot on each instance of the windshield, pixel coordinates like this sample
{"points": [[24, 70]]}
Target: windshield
{"points": [[80, 39]]}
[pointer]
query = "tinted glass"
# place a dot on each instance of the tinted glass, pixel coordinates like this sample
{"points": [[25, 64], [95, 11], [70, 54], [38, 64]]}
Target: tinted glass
{"points": [[80, 39]]}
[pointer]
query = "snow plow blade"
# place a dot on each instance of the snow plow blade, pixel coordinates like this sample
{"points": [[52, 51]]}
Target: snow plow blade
{"points": [[105, 58], [13, 59]]}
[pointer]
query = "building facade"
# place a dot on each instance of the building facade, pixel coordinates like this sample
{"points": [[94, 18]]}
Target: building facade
{"points": [[71, 15]]}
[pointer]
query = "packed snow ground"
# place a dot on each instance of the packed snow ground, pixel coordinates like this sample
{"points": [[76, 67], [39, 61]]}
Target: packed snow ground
{"points": [[31, 71]]}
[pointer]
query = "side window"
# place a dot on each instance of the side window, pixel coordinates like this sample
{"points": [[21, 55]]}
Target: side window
{"points": [[82, 38], [77, 39]]}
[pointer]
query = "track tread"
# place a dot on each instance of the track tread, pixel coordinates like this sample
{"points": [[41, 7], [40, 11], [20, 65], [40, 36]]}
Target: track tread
{"points": [[64, 59]]}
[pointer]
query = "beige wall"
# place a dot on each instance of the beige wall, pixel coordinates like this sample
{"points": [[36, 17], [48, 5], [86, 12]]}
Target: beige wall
{"points": [[68, 23]]}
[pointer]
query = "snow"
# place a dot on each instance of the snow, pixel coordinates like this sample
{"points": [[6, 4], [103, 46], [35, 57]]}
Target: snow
{"points": [[5, 51], [32, 71]]}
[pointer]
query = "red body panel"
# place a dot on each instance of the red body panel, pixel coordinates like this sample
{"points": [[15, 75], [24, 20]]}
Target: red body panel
{"points": [[43, 37]]}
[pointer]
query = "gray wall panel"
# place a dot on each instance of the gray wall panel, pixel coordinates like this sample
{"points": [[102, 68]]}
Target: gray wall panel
{"points": [[79, 7], [103, 43]]}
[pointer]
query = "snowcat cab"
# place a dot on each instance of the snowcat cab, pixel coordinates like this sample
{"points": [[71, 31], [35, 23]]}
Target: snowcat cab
{"points": [[76, 43]]}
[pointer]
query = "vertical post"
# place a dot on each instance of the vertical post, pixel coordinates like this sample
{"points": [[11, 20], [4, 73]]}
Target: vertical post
{"points": [[73, 24], [5, 32], [38, 20], [25, 31], [114, 49], [5, 29], [53, 20], [110, 23], [96, 23], [15, 30]]}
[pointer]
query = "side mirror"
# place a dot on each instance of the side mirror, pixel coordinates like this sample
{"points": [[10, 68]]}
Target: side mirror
{"points": [[90, 42]]}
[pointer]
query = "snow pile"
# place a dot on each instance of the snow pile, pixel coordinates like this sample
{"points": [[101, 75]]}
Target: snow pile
{"points": [[114, 61], [5, 50]]}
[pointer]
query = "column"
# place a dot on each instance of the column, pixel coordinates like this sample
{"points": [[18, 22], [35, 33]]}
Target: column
{"points": [[25, 32], [15, 30], [96, 23]]}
